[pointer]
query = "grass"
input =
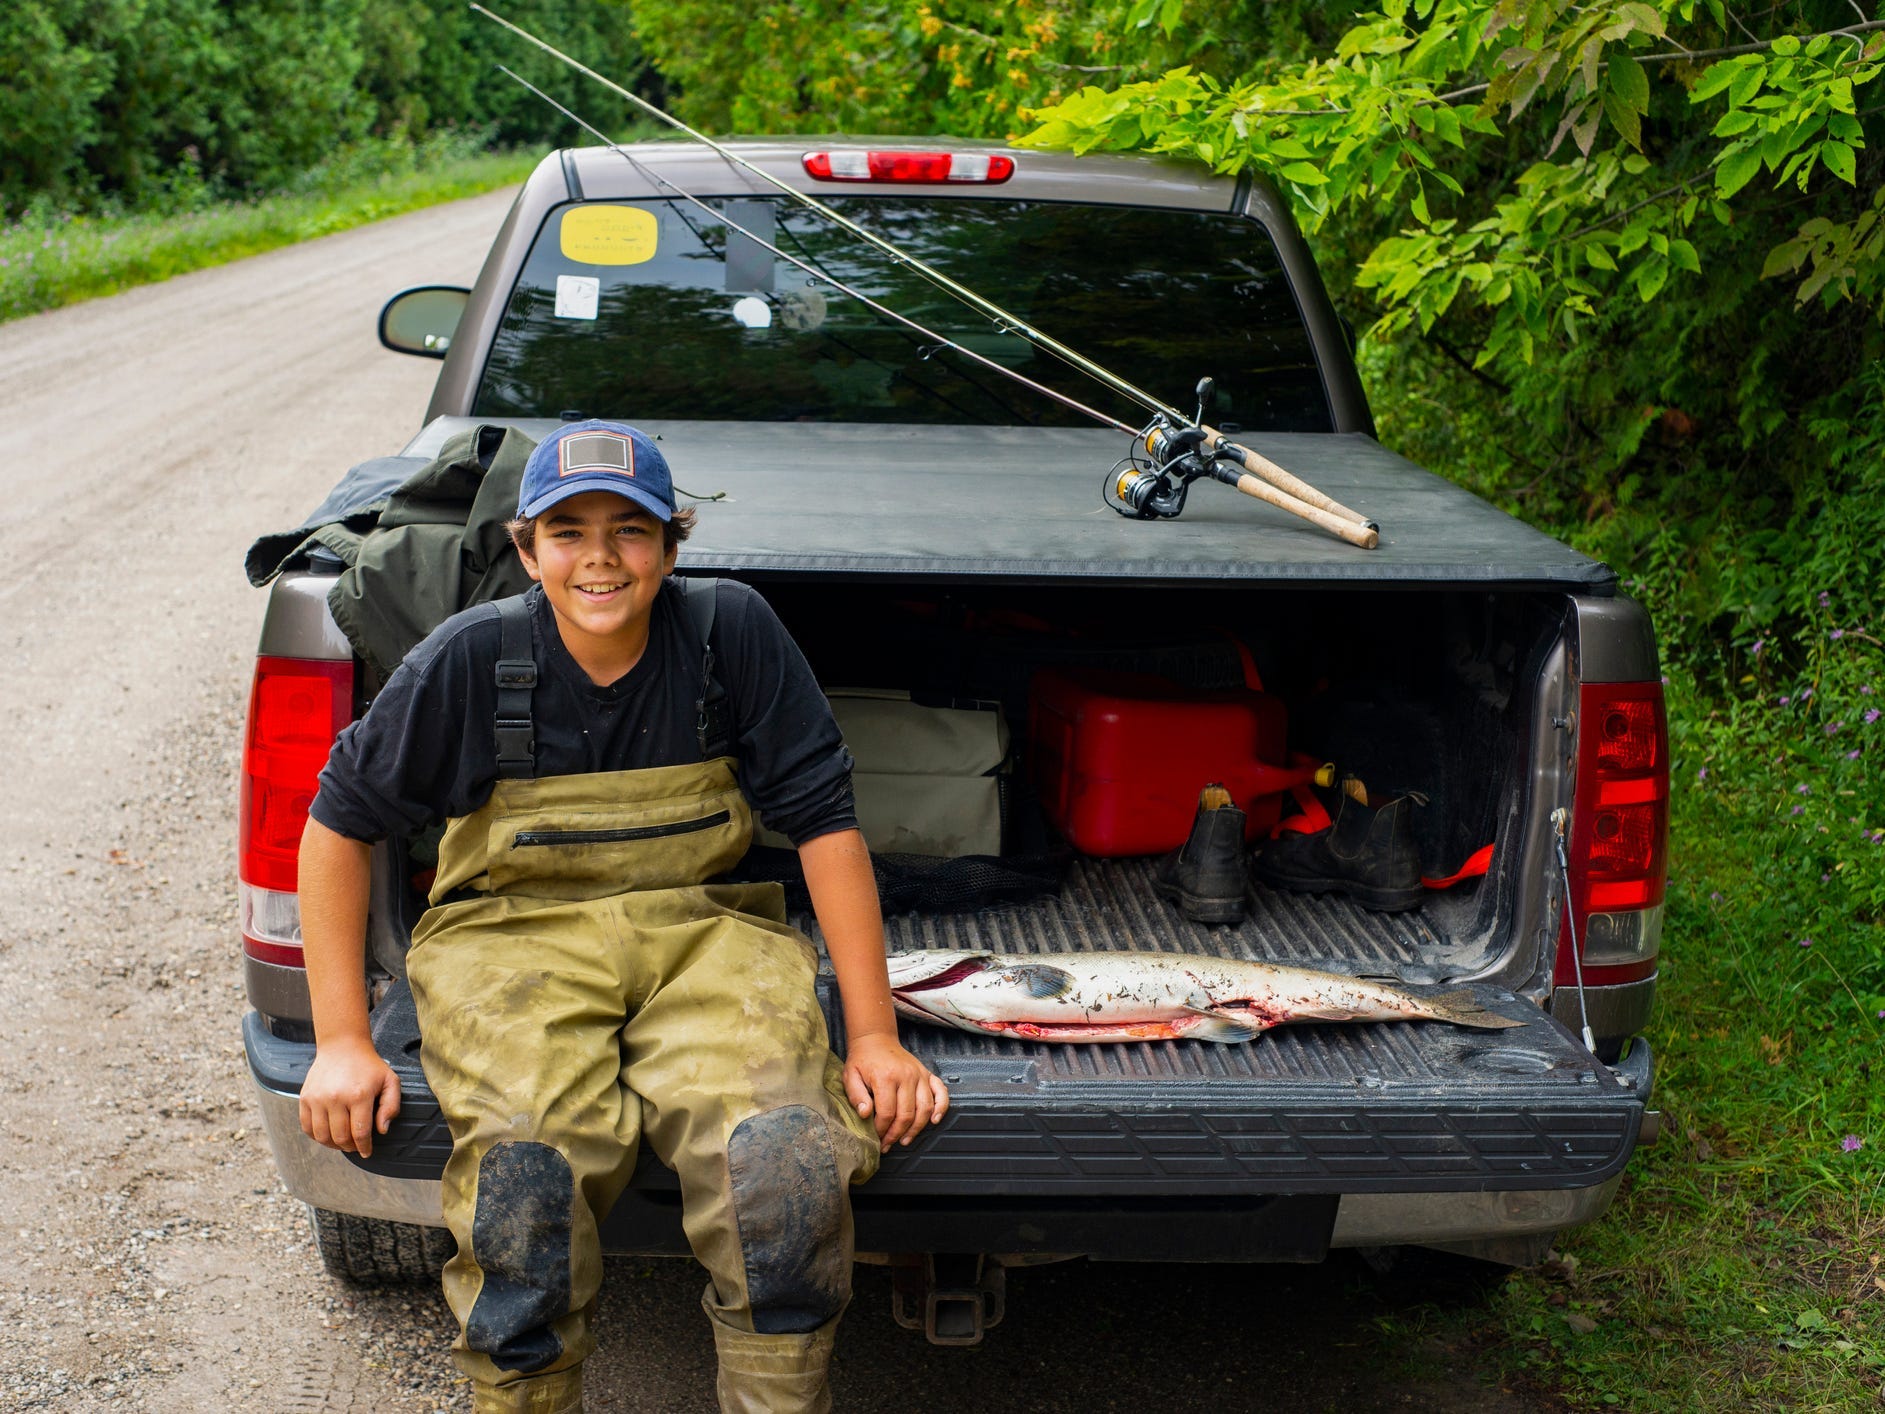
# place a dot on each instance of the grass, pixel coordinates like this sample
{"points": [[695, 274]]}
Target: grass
{"points": [[49, 259]]}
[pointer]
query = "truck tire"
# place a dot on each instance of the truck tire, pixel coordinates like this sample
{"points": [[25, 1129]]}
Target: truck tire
{"points": [[378, 1252]]}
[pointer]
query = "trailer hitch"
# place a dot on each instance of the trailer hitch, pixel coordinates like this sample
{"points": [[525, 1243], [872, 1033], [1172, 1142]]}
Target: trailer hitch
{"points": [[952, 1297]]}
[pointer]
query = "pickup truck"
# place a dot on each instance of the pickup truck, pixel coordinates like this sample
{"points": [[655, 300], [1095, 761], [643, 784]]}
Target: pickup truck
{"points": [[926, 527]]}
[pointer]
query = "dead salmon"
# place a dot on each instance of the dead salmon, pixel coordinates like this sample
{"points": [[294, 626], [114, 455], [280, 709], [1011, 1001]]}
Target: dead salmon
{"points": [[1148, 996]]}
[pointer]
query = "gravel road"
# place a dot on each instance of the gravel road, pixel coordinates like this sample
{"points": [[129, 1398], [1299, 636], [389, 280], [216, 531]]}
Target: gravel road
{"points": [[151, 1259]]}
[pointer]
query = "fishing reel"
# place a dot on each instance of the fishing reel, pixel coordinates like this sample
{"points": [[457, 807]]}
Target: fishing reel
{"points": [[1155, 489]]}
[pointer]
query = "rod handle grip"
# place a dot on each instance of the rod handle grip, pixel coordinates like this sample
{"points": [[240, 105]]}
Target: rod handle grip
{"points": [[1216, 442], [1364, 537]]}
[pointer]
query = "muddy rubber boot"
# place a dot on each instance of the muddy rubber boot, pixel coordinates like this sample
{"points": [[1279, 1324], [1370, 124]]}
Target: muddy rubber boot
{"points": [[1367, 854], [561, 1393], [774, 1374], [1205, 877]]}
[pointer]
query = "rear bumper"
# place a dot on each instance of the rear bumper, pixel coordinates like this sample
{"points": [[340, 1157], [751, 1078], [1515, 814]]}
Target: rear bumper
{"points": [[1521, 1139], [648, 1220]]}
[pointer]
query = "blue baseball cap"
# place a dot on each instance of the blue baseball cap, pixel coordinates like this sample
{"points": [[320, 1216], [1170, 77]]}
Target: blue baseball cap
{"points": [[596, 456]]}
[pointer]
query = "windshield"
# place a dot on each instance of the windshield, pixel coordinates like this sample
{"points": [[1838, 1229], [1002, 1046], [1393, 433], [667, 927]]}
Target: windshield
{"points": [[651, 310]]}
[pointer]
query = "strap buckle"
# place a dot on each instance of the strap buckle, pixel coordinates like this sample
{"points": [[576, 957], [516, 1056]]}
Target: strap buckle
{"points": [[516, 672], [516, 742]]}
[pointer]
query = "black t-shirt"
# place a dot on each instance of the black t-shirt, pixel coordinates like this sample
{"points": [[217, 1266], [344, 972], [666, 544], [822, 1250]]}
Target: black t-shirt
{"points": [[425, 752]]}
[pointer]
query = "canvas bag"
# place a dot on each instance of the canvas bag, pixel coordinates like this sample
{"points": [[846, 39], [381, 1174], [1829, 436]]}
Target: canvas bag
{"points": [[928, 779]]}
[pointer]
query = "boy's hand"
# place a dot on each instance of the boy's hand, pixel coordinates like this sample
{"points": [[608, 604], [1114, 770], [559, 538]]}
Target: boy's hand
{"points": [[893, 1089], [349, 1096]]}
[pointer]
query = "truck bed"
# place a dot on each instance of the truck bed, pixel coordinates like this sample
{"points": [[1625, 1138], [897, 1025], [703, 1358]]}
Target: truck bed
{"points": [[1111, 903]]}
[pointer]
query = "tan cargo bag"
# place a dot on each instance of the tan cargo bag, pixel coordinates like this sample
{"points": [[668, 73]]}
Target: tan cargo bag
{"points": [[928, 779]]}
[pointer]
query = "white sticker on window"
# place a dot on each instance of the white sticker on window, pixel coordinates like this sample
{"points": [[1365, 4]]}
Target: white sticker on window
{"points": [[576, 296]]}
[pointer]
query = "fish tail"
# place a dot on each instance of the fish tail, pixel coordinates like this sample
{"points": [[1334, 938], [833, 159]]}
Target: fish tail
{"points": [[1462, 1008]]}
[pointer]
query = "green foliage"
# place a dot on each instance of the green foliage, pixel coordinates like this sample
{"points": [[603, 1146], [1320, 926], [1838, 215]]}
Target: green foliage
{"points": [[453, 78], [1847, 258], [976, 68], [165, 105], [1417, 104], [57, 69]]}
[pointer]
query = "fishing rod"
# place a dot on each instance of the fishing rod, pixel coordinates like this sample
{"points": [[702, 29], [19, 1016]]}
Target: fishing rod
{"points": [[1181, 449]]}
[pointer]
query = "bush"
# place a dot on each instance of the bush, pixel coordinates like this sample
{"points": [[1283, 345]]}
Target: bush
{"points": [[164, 105]]}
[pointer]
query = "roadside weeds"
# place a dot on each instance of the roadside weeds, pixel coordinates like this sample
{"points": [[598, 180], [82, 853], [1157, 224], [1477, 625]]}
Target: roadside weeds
{"points": [[49, 260]]}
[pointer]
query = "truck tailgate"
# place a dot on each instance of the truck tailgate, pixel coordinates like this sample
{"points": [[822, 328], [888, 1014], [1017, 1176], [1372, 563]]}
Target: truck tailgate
{"points": [[1387, 1107], [1352, 1108]]}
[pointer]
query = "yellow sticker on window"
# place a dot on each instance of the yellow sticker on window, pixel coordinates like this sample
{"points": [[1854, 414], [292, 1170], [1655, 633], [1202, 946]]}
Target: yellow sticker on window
{"points": [[609, 235]]}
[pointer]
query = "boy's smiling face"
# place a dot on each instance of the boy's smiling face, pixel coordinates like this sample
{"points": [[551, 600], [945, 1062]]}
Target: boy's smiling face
{"points": [[600, 559]]}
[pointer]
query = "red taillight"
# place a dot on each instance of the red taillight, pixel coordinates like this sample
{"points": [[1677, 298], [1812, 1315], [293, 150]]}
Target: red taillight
{"points": [[297, 707], [855, 164], [1619, 848]]}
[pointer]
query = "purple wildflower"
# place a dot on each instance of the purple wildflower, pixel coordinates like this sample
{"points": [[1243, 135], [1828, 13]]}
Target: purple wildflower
{"points": [[1837, 633], [1784, 701], [1715, 897], [1832, 727], [1808, 693], [1865, 689], [1853, 755], [1799, 810], [1806, 942], [1702, 774], [1852, 1143], [1826, 599], [1871, 715], [1803, 789], [1759, 644]]}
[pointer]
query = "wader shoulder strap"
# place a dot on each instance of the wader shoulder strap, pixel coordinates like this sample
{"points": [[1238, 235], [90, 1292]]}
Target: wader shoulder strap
{"points": [[713, 713], [516, 679]]}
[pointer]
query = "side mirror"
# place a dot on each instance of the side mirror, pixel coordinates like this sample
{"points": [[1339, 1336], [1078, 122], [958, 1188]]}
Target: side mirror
{"points": [[423, 319]]}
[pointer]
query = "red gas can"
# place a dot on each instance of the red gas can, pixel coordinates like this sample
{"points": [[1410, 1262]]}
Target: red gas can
{"points": [[1120, 757]]}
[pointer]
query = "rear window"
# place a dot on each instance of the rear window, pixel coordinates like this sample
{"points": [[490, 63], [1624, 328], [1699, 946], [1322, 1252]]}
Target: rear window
{"points": [[650, 310]]}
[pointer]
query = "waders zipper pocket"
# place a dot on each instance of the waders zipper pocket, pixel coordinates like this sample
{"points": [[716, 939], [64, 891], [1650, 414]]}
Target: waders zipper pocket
{"points": [[638, 832]]}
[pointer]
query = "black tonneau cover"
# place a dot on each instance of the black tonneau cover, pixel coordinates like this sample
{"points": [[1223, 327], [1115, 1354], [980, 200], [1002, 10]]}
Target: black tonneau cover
{"points": [[1023, 503]]}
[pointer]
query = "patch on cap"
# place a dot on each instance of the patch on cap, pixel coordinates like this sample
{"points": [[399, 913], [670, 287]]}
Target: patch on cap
{"points": [[595, 451]]}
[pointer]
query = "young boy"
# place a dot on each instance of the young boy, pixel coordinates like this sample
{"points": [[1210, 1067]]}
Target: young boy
{"points": [[580, 983]]}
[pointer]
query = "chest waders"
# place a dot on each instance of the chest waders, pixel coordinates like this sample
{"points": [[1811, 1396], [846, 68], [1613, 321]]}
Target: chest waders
{"points": [[582, 987]]}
